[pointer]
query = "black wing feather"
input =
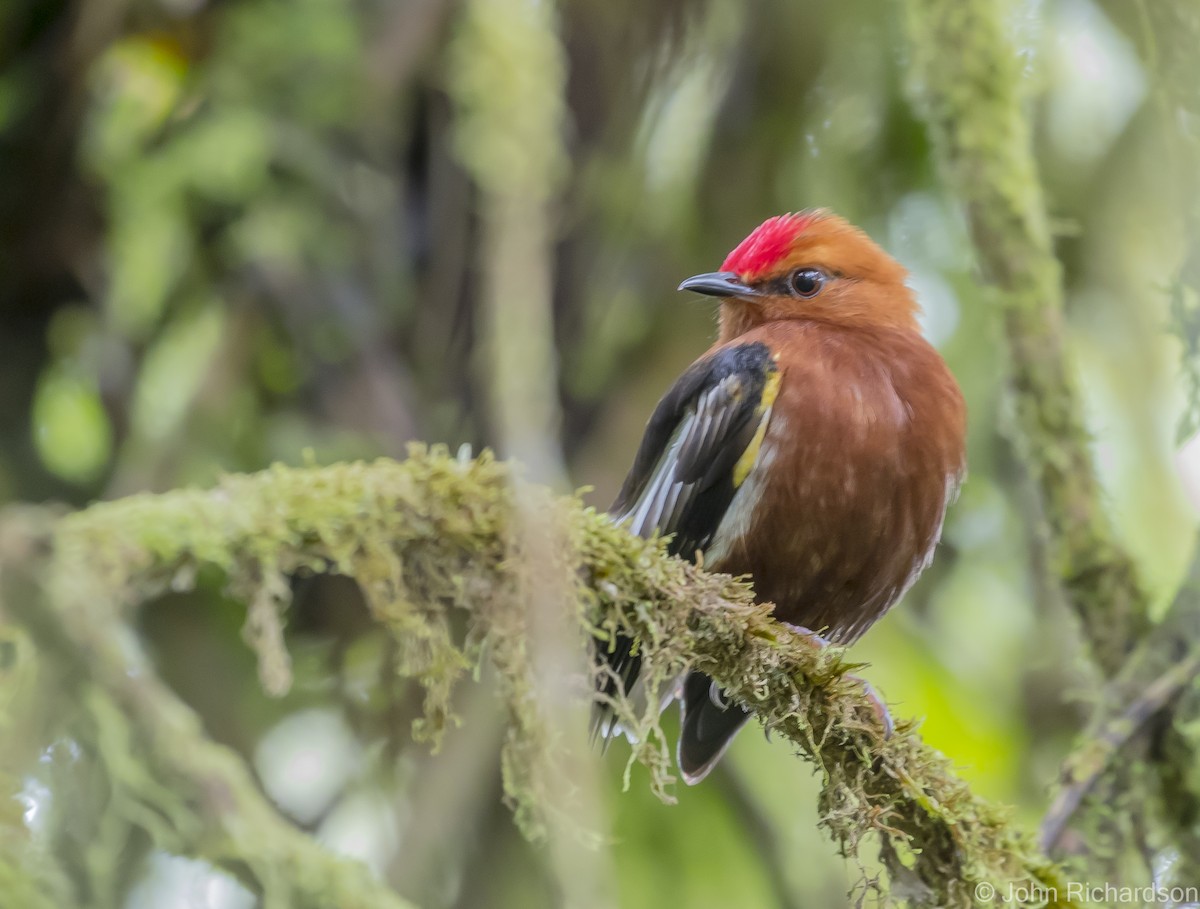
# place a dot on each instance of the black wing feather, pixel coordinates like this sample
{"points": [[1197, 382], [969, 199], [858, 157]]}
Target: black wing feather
{"points": [[682, 482]]}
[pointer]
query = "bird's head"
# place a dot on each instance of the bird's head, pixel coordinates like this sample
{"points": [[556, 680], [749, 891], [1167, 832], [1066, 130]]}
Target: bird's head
{"points": [[808, 265]]}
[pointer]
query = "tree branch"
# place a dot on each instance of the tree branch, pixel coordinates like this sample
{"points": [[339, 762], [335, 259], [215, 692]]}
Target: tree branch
{"points": [[434, 534], [1090, 763], [965, 82], [965, 79], [165, 776]]}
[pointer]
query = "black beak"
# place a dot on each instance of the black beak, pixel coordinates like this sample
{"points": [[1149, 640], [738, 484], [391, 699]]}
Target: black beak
{"points": [[719, 284]]}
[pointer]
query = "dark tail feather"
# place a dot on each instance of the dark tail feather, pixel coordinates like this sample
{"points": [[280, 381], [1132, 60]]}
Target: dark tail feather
{"points": [[708, 727], [624, 665]]}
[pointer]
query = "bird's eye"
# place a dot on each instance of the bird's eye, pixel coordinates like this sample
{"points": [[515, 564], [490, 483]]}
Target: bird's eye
{"points": [[807, 282]]}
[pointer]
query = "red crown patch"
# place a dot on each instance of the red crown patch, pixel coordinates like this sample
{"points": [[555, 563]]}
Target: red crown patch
{"points": [[767, 244]]}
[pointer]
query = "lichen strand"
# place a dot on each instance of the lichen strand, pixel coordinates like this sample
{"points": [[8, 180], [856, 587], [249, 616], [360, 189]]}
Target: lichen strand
{"points": [[436, 534]]}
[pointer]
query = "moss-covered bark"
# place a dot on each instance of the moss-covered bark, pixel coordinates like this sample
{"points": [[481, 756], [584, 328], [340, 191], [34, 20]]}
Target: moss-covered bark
{"points": [[156, 777], [425, 538], [966, 83]]}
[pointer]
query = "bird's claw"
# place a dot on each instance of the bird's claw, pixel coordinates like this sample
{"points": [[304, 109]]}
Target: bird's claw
{"points": [[807, 633], [882, 715]]}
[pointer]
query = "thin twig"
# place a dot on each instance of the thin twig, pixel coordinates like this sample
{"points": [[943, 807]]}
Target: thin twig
{"points": [[1089, 763]]}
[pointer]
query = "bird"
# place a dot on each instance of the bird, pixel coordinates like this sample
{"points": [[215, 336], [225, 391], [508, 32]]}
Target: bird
{"points": [[813, 448]]}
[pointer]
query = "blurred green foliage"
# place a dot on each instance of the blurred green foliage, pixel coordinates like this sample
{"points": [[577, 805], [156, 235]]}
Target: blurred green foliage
{"points": [[246, 231]]}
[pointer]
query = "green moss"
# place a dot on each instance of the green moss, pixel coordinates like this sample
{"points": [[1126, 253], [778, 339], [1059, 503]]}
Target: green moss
{"points": [[968, 87], [434, 536], [972, 102]]}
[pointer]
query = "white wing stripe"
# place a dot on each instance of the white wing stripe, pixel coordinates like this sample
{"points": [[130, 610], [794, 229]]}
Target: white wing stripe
{"points": [[645, 518], [657, 506]]}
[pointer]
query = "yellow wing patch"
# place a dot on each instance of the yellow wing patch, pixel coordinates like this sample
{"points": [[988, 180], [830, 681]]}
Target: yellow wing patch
{"points": [[745, 463]]}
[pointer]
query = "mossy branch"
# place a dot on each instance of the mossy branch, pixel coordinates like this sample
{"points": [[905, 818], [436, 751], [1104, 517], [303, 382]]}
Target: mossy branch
{"points": [[966, 83], [433, 535], [161, 777]]}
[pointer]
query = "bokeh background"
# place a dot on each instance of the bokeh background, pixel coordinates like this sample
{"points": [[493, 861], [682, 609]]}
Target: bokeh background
{"points": [[240, 232]]}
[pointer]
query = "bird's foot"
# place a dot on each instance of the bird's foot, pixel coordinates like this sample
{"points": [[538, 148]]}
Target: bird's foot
{"points": [[882, 715], [807, 633]]}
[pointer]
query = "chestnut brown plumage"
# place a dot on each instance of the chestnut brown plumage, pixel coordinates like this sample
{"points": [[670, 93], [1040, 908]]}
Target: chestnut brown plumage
{"points": [[815, 448]]}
